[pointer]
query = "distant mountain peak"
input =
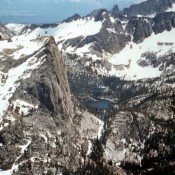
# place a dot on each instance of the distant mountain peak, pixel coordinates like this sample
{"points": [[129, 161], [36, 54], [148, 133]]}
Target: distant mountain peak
{"points": [[72, 18]]}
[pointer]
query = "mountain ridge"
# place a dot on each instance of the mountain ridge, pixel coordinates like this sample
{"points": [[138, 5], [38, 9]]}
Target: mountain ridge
{"points": [[105, 100], [149, 7]]}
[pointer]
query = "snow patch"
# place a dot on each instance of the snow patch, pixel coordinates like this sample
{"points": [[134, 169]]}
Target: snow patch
{"points": [[24, 147], [89, 147], [81, 27], [148, 16], [171, 9], [19, 47], [112, 19], [10, 172], [12, 80], [24, 107], [133, 52], [100, 130], [15, 167], [16, 28], [111, 30]]}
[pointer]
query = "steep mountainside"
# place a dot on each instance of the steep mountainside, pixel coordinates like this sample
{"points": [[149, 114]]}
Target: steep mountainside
{"points": [[5, 33], [99, 41], [120, 68], [40, 131]]}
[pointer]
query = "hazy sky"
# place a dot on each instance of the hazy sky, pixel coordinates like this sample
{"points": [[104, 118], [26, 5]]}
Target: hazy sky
{"points": [[39, 11]]}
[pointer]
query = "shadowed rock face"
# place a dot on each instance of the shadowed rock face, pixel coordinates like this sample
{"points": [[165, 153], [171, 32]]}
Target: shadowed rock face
{"points": [[114, 35], [141, 110], [143, 30], [46, 91], [105, 40], [5, 34], [73, 18], [50, 85], [164, 21], [48, 135], [140, 28], [148, 7], [99, 14], [115, 11]]}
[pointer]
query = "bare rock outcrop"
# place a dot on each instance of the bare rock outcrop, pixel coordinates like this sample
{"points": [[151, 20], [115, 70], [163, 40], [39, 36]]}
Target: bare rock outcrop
{"points": [[5, 34], [50, 85], [148, 7]]}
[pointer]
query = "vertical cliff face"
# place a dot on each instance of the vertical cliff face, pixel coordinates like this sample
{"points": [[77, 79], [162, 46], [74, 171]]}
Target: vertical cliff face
{"points": [[139, 28], [39, 132], [50, 86], [38, 108], [148, 7], [164, 21]]}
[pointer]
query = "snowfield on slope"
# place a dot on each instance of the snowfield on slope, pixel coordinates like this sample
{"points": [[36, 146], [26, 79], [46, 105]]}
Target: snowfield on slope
{"points": [[8, 88], [10, 78], [20, 47], [128, 58], [16, 28], [81, 27], [134, 51]]}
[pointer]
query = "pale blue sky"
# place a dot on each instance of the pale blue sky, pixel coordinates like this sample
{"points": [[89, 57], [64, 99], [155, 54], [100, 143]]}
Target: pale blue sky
{"points": [[47, 11]]}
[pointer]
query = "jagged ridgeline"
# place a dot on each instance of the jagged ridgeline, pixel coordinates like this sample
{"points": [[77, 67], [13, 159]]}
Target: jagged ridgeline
{"points": [[90, 95]]}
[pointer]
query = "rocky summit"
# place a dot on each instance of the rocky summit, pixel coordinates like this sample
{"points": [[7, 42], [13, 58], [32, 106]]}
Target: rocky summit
{"points": [[90, 95]]}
